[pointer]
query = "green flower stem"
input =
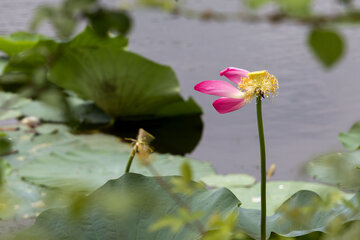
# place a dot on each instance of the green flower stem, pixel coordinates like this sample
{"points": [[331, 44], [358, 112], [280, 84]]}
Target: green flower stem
{"points": [[263, 166], [131, 158]]}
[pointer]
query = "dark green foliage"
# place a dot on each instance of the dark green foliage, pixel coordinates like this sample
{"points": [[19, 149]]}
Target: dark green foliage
{"points": [[327, 45]]}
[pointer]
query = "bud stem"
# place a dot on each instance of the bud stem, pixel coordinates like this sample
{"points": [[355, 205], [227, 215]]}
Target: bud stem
{"points": [[263, 167], [131, 158]]}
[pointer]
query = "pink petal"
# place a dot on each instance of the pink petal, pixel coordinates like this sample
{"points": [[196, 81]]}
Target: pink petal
{"points": [[234, 74], [225, 105], [218, 88]]}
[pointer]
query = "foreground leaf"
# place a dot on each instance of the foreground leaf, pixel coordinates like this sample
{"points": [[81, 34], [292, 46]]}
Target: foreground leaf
{"points": [[128, 219], [144, 201]]}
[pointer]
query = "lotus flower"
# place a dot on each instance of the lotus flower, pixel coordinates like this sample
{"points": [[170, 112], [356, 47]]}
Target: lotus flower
{"points": [[249, 85]]}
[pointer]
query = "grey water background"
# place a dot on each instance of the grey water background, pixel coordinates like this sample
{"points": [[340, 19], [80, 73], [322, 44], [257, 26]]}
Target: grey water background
{"points": [[313, 106]]}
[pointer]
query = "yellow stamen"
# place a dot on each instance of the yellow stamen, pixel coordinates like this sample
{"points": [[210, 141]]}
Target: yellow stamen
{"points": [[259, 83]]}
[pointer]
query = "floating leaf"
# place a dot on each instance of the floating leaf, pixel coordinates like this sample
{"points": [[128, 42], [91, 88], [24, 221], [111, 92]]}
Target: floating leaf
{"points": [[89, 169], [57, 158], [230, 180], [10, 105], [279, 192], [327, 45], [341, 169], [351, 140]]}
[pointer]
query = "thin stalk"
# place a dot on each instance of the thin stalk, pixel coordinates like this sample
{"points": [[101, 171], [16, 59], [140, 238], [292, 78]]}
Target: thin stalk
{"points": [[263, 167], [131, 158]]}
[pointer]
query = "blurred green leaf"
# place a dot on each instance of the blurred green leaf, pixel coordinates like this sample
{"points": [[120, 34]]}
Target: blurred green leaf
{"points": [[327, 45], [149, 204], [222, 228], [5, 144], [300, 215], [3, 62], [341, 169], [255, 4], [5, 170], [351, 140], [295, 7], [19, 41], [64, 18], [88, 38], [107, 21], [166, 5], [291, 7], [176, 221]]}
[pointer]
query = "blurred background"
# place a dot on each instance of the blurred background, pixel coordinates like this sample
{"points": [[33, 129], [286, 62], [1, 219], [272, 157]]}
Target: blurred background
{"points": [[314, 103]]}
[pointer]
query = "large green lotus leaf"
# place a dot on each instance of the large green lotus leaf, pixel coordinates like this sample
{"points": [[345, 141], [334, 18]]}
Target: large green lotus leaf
{"points": [[18, 42], [279, 191], [144, 201], [351, 140], [121, 83], [341, 169]]}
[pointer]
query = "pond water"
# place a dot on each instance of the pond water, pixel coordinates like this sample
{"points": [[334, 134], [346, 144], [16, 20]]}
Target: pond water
{"points": [[313, 106]]}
